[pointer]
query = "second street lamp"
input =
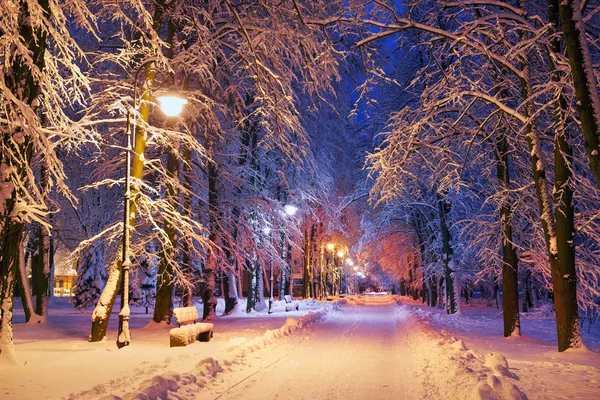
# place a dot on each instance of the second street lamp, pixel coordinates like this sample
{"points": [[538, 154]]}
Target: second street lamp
{"points": [[171, 104]]}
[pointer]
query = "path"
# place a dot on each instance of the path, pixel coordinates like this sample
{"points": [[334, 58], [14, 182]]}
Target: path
{"points": [[359, 353]]}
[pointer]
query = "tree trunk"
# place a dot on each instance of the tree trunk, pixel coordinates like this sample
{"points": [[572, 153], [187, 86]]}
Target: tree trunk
{"points": [[25, 290], [564, 275], [528, 299], [259, 294], [43, 265], [283, 272], [510, 289], [230, 292], [163, 307], [251, 275], [209, 298], [434, 291], [15, 153], [12, 234], [444, 210], [306, 276], [584, 81]]}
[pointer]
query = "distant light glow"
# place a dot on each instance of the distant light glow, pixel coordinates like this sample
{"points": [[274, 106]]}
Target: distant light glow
{"points": [[290, 209], [341, 254], [330, 246], [349, 261], [171, 104], [355, 268]]}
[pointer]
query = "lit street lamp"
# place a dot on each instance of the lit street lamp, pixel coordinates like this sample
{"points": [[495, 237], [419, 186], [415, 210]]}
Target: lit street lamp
{"points": [[171, 104], [290, 209]]}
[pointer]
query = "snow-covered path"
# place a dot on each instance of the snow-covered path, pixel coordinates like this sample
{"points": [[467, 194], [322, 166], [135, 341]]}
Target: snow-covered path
{"points": [[358, 353]]}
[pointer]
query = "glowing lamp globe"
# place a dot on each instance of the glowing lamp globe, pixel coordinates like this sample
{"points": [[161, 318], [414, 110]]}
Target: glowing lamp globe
{"points": [[340, 254], [330, 246], [171, 103], [290, 209]]}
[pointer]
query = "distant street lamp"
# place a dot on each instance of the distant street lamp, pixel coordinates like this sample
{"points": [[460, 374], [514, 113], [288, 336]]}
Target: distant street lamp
{"points": [[290, 209], [171, 104]]}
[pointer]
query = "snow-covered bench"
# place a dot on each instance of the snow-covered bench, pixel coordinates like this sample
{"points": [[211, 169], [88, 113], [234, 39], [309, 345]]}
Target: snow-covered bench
{"points": [[290, 305], [191, 330]]}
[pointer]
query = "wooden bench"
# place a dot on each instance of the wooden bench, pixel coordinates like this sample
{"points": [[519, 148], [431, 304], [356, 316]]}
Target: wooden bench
{"points": [[290, 305], [191, 330]]}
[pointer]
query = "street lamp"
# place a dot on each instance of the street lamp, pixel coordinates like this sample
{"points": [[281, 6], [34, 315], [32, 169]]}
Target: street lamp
{"points": [[171, 104], [290, 209]]}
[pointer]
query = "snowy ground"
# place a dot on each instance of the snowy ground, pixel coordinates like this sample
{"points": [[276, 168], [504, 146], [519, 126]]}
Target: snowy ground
{"points": [[542, 372], [368, 347], [58, 361]]}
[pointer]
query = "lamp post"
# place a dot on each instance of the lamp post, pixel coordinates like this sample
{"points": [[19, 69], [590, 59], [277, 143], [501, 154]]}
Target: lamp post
{"points": [[171, 104]]}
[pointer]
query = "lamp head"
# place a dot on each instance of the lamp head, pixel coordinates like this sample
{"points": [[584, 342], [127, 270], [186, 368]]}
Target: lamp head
{"points": [[340, 254], [171, 103], [290, 209], [330, 246]]}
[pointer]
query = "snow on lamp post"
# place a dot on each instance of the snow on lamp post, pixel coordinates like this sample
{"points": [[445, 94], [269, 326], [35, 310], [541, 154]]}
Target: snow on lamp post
{"points": [[171, 104]]}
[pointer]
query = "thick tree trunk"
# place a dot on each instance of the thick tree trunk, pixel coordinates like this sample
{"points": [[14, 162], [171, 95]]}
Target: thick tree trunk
{"points": [[230, 292], [584, 81], [12, 234], [564, 275], [510, 289], [15, 153], [208, 297], [163, 307], [259, 294]]}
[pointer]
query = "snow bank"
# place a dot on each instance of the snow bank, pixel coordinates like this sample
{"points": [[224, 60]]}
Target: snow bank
{"points": [[172, 385], [451, 369]]}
